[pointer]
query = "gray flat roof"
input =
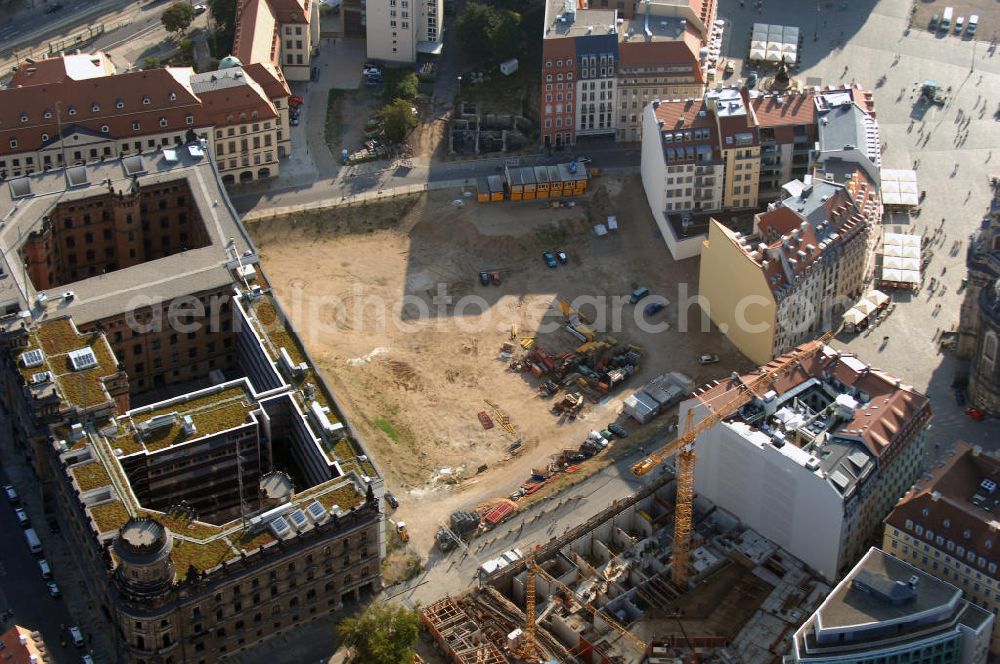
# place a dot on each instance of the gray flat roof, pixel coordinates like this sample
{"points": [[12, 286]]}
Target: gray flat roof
{"points": [[97, 297], [848, 606]]}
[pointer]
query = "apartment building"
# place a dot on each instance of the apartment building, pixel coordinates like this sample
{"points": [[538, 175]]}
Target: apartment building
{"points": [[946, 526], [749, 145], [979, 324], [214, 494], [76, 109], [402, 30], [817, 462], [602, 64], [886, 610], [802, 266], [280, 33]]}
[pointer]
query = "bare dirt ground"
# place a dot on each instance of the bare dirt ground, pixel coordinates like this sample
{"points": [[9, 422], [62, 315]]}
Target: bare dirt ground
{"points": [[368, 290]]}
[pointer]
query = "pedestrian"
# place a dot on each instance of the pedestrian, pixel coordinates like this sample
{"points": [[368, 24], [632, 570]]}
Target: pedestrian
{"points": [[885, 339]]}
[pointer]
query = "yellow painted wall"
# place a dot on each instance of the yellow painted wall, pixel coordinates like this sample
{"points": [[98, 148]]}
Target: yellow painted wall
{"points": [[727, 278]]}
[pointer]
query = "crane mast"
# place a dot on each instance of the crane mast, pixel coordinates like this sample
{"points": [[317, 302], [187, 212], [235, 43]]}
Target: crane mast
{"points": [[683, 446]]}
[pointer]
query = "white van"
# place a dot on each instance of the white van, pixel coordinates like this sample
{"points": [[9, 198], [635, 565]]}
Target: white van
{"points": [[43, 565], [946, 18], [34, 543]]}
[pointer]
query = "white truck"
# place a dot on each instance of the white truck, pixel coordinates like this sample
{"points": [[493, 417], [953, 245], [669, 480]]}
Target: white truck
{"points": [[34, 543], [946, 19]]}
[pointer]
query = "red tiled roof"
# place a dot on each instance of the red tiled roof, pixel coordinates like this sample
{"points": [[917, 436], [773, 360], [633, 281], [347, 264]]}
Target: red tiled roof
{"points": [[890, 409], [290, 11], [256, 38], [795, 109], [640, 53], [269, 78], [942, 507], [146, 97], [236, 102]]}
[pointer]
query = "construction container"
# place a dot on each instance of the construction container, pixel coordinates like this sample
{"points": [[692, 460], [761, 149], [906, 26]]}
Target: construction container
{"points": [[515, 183], [541, 181], [528, 182], [641, 407], [496, 187], [482, 190]]}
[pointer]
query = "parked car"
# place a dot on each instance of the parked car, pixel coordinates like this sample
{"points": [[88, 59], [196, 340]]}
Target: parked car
{"points": [[959, 25], [730, 67], [960, 397], [618, 430], [638, 294], [296, 100], [607, 434], [54, 590], [294, 121], [11, 493], [87, 659], [22, 517], [932, 26], [654, 308], [550, 259], [561, 255], [583, 160], [200, 9], [495, 277], [708, 359], [52, 9], [43, 567], [76, 636], [53, 525], [752, 80], [973, 24], [484, 278], [391, 499]]}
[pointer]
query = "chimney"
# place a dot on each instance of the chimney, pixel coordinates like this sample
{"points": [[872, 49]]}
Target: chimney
{"points": [[935, 496]]}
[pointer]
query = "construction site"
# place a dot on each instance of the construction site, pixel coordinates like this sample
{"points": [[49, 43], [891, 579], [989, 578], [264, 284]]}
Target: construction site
{"points": [[658, 577], [434, 393], [603, 593]]}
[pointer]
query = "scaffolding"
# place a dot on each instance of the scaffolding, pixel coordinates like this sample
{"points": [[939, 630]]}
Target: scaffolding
{"points": [[460, 637]]}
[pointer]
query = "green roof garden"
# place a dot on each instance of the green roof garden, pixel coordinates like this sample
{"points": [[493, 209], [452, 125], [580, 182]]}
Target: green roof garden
{"points": [[109, 516], [90, 476], [56, 338], [211, 414]]}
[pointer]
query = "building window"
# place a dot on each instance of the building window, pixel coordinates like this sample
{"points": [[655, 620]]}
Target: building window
{"points": [[13, 142], [145, 101], [163, 121], [135, 126], [105, 129]]}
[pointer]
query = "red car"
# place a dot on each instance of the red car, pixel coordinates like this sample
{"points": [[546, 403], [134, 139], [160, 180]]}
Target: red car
{"points": [[296, 100], [974, 413], [495, 278]]}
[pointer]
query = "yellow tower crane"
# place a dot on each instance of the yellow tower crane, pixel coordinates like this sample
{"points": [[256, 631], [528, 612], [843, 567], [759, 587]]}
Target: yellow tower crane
{"points": [[528, 650], [683, 446]]}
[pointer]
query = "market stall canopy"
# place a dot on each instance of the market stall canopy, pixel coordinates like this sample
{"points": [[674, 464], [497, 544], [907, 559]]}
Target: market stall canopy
{"points": [[853, 317], [878, 297]]}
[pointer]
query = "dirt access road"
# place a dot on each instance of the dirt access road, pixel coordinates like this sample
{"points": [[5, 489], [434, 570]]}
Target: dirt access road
{"points": [[388, 300]]}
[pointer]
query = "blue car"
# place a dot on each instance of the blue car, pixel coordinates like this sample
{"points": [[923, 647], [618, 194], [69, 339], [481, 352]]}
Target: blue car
{"points": [[654, 308], [550, 259], [960, 397]]}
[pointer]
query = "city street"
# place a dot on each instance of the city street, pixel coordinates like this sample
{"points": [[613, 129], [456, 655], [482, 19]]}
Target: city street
{"points": [[22, 589]]}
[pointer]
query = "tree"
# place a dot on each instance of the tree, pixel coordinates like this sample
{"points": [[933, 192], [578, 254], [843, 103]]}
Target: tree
{"points": [[177, 17], [488, 33], [382, 633], [152, 63], [473, 30], [405, 87], [224, 14], [398, 119]]}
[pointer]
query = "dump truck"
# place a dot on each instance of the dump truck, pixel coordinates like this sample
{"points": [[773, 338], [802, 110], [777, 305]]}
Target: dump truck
{"points": [[570, 404]]}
